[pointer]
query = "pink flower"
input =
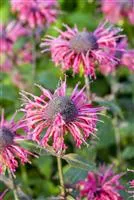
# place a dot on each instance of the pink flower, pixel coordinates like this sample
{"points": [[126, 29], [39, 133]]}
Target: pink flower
{"points": [[128, 59], [123, 8], [10, 150], [9, 34], [25, 54], [83, 50], [17, 57], [36, 12], [123, 54], [101, 185], [58, 114]]}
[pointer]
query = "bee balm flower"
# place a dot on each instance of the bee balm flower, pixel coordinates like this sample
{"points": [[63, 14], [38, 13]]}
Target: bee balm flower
{"points": [[10, 150], [76, 50], [58, 114], [9, 34], [125, 58], [122, 8], [36, 12], [101, 185]]}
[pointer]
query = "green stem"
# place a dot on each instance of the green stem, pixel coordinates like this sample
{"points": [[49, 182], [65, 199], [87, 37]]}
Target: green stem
{"points": [[14, 186], [34, 58], [59, 164], [87, 84], [117, 136], [115, 120]]}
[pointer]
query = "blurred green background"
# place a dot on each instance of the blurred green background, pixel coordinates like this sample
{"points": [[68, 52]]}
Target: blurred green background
{"points": [[116, 135]]}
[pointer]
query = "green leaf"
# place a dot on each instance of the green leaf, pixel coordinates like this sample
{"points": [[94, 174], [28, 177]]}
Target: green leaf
{"points": [[48, 78], [128, 152], [111, 105], [75, 160], [105, 133], [43, 163], [47, 151], [73, 175], [7, 93]]}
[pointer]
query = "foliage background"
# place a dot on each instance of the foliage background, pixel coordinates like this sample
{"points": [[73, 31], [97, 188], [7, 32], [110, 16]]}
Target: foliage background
{"points": [[116, 136]]}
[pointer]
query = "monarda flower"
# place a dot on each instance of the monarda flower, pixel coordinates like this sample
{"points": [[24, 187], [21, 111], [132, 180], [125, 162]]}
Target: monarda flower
{"points": [[10, 150], [36, 12], [122, 9], [9, 34], [16, 58], [125, 58], [101, 185], [58, 114], [81, 51]]}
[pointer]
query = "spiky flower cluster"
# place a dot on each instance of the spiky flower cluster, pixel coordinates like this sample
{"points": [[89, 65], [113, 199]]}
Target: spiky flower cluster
{"points": [[101, 185], [122, 9], [10, 150], [9, 36], [56, 114], [125, 58], [84, 50], [36, 12]]}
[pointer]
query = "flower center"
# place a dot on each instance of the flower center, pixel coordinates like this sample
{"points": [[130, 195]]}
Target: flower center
{"points": [[83, 42], [64, 106], [6, 137]]}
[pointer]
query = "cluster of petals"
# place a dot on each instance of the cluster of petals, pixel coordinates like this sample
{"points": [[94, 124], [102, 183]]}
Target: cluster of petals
{"points": [[125, 58], [101, 185], [9, 34], [17, 57], [36, 12], [10, 150], [58, 114], [83, 50], [122, 9]]}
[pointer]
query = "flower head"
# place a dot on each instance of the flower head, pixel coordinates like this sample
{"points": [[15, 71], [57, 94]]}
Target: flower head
{"points": [[128, 59], [122, 8], [19, 57], [101, 185], [60, 114], [9, 34], [83, 50], [125, 57], [9, 146], [36, 12]]}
